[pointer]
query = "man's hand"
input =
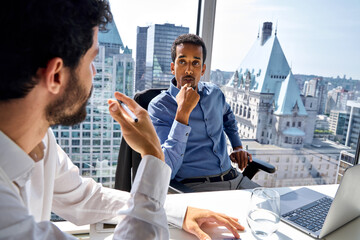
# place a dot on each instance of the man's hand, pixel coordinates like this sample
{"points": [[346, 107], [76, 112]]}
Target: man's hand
{"points": [[187, 100], [195, 217], [241, 157], [141, 135]]}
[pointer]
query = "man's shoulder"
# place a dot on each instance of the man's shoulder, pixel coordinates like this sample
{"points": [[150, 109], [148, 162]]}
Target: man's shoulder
{"points": [[211, 88], [164, 96]]}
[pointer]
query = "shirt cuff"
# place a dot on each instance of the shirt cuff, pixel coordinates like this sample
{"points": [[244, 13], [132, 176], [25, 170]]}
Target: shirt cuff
{"points": [[152, 178], [179, 132], [175, 208], [235, 141]]}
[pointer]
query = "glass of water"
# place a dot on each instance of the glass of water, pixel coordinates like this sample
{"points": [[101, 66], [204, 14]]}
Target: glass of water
{"points": [[264, 212]]}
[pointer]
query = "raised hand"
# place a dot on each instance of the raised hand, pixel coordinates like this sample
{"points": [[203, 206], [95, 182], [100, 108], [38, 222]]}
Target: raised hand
{"points": [[187, 100], [141, 135]]}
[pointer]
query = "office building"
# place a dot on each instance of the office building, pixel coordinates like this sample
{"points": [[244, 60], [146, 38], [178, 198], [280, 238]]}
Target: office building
{"points": [[111, 40], [160, 37], [266, 100], [337, 98], [338, 124], [141, 41], [353, 126], [93, 145], [316, 87]]}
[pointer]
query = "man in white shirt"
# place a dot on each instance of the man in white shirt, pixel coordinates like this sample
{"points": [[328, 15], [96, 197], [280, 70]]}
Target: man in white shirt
{"points": [[47, 52]]}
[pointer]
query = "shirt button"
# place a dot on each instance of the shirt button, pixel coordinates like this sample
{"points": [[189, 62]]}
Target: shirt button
{"points": [[186, 134], [214, 151], [205, 119], [182, 154]]}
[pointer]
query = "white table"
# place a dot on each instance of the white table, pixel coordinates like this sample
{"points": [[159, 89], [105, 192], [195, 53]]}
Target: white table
{"points": [[235, 203]]}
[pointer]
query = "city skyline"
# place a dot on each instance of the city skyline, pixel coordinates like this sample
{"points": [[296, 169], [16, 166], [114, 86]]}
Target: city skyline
{"points": [[316, 41]]}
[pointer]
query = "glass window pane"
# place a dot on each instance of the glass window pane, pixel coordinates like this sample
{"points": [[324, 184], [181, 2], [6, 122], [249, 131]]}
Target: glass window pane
{"points": [[280, 59]]}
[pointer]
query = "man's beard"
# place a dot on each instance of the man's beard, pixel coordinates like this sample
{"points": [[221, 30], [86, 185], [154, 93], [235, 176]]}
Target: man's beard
{"points": [[62, 111]]}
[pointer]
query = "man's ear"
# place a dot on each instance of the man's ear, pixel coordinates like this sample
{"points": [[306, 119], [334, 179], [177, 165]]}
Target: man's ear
{"points": [[54, 75], [203, 69], [172, 67]]}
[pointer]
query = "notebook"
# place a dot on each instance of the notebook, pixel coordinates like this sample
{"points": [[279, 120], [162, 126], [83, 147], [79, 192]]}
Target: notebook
{"points": [[317, 214]]}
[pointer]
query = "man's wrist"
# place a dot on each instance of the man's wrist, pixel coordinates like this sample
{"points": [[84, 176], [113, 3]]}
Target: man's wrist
{"points": [[238, 147], [182, 118], [158, 153]]}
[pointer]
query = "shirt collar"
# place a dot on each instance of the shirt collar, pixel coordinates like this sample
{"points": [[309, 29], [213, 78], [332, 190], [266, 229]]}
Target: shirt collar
{"points": [[13, 160], [174, 90]]}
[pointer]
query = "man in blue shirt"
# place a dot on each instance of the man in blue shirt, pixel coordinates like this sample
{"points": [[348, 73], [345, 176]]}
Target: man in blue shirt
{"points": [[191, 119]]}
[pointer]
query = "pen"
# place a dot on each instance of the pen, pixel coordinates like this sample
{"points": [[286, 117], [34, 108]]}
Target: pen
{"points": [[131, 114]]}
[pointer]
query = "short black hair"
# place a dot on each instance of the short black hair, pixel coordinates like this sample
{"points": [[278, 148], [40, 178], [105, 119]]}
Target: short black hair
{"points": [[188, 38], [35, 31]]}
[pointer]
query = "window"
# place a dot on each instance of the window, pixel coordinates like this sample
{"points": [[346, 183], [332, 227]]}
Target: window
{"points": [[75, 134], [64, 134], [86, 134], [289, 32], [116, 135], [75, 150]]}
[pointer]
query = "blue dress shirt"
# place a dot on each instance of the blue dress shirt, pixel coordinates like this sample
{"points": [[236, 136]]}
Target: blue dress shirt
{"points": [[198, 149]]}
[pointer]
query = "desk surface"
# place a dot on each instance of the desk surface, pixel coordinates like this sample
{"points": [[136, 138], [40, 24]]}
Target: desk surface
{"points": [[235, 203]]}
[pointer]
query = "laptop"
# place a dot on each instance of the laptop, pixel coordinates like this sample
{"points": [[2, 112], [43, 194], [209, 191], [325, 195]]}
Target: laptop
{"points": [[317, 214]]}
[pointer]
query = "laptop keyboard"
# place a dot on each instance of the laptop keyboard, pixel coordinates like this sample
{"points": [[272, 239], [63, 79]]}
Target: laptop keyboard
{"points": [[312, 215]]}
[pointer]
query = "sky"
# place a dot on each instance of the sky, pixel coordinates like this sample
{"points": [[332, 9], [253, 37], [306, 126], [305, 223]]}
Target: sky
{"points": [[320, 37]]}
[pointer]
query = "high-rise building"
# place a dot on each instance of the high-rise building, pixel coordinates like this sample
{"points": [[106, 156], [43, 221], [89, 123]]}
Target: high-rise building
{"points": [[338, 124], [93, 145], [160, 37], [353, 126], [111, 40], [141, 41], [316, 88], [266, 99], [337, 98]]}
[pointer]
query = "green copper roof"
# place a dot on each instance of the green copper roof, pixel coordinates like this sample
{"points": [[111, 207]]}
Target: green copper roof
{"points": [[111, 36]]}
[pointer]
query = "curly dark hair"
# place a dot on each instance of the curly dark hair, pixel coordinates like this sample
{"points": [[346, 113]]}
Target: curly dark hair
{"points": [[35, 31], [188, 38]]}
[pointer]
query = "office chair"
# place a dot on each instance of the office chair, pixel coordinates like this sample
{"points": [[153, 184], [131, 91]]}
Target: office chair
{"points": [[129, 160]]}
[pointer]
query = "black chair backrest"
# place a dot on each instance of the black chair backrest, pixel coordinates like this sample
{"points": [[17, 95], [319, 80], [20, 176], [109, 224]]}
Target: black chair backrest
{"points": [[128, 159]]}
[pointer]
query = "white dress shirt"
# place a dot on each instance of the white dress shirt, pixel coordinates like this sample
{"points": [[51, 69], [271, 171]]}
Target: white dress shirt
{"points": [[30, 190]]}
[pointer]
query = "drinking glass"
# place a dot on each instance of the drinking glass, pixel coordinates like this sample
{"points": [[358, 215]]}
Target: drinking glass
{"points": [[264, 212]]}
